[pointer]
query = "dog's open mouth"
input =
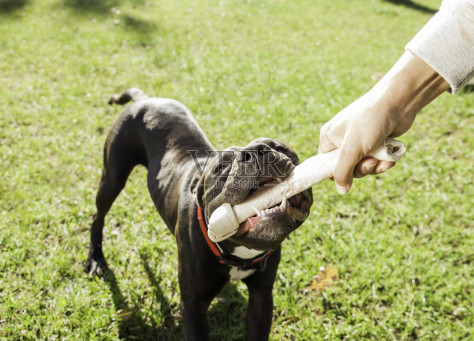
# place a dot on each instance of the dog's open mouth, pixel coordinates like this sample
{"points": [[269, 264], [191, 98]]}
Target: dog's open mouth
{"points": [[297, 207]]}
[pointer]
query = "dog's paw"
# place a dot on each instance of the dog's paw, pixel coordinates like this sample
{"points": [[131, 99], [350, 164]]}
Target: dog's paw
{"points": [[95, 267]]}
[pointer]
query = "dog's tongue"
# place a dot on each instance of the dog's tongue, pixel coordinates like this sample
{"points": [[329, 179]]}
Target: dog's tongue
{"points": [[249, 225]]}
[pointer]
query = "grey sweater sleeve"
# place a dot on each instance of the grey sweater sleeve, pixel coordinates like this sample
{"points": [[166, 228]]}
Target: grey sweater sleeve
{"points": [[446, 42]]}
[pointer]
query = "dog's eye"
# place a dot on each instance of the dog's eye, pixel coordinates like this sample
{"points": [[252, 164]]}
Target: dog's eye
{"points": [[280, 149]]}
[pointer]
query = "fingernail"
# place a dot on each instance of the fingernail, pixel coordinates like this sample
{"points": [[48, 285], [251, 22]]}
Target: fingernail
{"points": [[382, 168], [369, 168], [342, 189]]}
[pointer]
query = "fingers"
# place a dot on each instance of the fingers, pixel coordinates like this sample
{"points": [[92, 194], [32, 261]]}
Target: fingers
{"points": [[365, 167], [344, 169], [371, 166], [383, 166]]}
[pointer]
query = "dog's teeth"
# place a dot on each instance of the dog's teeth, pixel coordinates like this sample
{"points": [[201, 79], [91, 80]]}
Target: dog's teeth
{"points": [[256, 211], [262, 212], [278, 179], [283, 202]]}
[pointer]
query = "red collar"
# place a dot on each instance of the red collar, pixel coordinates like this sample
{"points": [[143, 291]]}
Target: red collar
{"points": [[225, 258]]}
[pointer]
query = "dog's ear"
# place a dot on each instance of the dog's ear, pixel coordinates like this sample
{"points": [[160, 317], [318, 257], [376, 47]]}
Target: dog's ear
{"points": [[197, 189]]}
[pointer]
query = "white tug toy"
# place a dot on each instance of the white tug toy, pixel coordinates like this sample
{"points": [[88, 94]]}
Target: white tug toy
{"points": [[225, 220]]}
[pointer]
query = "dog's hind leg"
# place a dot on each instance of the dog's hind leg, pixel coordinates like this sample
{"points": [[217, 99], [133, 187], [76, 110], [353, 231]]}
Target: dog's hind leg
{"points": [[120, 157], [109, 189]]}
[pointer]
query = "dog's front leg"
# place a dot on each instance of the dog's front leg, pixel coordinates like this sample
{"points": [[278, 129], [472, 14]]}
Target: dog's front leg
{"points": [[199, 284], [260, 307], [195, 320], [259, 314]]}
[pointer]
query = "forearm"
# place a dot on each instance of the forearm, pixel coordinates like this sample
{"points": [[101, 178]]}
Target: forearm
{"points": [[446, 42], [408, 87]]}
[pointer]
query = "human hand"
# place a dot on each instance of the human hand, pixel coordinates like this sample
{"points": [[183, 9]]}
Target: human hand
{"points": [[388, 109], [356, 131]]}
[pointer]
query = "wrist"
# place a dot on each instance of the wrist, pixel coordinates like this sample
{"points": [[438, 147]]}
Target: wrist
{"points": [[409, 86]]}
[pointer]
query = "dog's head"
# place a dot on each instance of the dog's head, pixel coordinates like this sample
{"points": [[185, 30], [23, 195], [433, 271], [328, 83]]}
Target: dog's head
{"points": [[230, 176]]}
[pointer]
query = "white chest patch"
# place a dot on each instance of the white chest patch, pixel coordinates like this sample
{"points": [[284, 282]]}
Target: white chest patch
{"points": [[237, 274], [245, 252]]}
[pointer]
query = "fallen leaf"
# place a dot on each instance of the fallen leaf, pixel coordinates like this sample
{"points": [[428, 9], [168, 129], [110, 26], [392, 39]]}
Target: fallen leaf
{"points": [[124, 314], [325, 278]]}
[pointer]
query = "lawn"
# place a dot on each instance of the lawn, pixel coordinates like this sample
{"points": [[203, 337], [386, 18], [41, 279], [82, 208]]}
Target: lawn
{"points": [[402, 242]]}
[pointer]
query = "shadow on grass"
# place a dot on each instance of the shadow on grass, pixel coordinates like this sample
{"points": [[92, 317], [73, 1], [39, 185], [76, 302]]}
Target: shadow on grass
{"points": [[143, 30], [107, 9], [168, 328], [139, 25], [413, 5], [134, 326], [226, 317], [9, 6], [468, 88], [96, 6]]}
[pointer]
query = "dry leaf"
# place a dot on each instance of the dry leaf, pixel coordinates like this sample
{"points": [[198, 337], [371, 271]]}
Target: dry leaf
{"points": [[124, 314], [325, 278]]}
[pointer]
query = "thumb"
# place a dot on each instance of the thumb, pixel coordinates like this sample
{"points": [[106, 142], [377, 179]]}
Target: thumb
{"points": [[344, 168]]}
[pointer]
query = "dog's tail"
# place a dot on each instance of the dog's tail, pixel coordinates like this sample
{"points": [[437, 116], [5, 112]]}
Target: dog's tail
{"points": [[132, 94]]}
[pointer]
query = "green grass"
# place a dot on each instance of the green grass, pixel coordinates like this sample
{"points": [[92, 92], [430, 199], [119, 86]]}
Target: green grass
{"points": [[402, 242]]}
